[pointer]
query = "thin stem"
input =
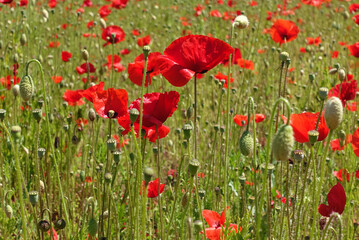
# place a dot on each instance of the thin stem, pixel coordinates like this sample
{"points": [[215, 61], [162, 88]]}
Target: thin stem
{"points": [[159, 182], [195, 116]]}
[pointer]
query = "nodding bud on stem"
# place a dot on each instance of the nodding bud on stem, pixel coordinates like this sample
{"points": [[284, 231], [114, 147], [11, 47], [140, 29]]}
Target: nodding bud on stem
{"points": [[241, 22], [26, 88], [333, 113], [283, 143], [85, 54]]}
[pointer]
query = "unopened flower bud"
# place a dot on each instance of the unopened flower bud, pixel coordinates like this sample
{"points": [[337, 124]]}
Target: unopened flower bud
{"points": [[283, 56], [333, 113], [148, 174], [103, 23], [108, 177], [246, 143], [92, 114], [283, 143], [85, 54], [241, 22], [16, 90], [26, 88], [341, 74], [333, 71]]}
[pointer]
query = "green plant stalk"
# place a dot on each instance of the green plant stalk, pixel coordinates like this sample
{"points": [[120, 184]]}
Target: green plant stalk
{"points": [[318, 191], [227, 126], [144, 212], [195, 116], [287, 202], [258, 218], [49, 138], [159, 182], [19, 182], [279, 93], [199, 206], [327, 225], [320, 114]]}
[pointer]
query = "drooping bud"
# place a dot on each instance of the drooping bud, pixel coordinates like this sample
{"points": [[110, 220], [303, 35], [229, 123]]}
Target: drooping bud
{"points": [[60, 224], [44, 225], [8, 211], [92, 227], [92, 114], [26, 88], [241, 22], [246, 143], [333, 113], [283, 143]]}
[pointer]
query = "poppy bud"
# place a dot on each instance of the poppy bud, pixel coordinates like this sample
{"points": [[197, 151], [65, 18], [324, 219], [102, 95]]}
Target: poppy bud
{"points": [[116, 156], [187, 128], [134, 113], [298, 155], [283, 56], [42, 186], [26, 88], [16, 90], [82, 176], [270, 168], [337, 66], [148, 174], [193, 166], [45, 13], [92, 115], [16, 132], [37, 114], [333, 71], [33, 197], [85, 54], [60, 224], [2, 114], [283, 143], [92, 227], [108, 177], [341, 74], [146, 51], [323, 93], [111, 144], [103, 23], [23, 39], [8, 211], [44, 225], [246, 143], [333, 113], [241, 22], [311, 77]]}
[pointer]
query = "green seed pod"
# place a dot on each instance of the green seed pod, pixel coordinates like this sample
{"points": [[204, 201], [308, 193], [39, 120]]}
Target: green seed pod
{"points": [[111, 144], [26, 88], [193, 167], [92, 227], [189, 112], [198, 225], [37, 114], [313, 136], [16, 132], [134, 113], [82, 176], [323, 93], [283, 56], [116, 156], [8, 211], [283, 143], [2, 114], [246, 143], [146, 51], [108, 177], [33, 197], [298, 155], [333, 113], [187, 128]]}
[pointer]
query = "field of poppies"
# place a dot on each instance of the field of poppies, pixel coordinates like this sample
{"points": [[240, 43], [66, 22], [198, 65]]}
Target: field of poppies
{"points": [[156, 119]]}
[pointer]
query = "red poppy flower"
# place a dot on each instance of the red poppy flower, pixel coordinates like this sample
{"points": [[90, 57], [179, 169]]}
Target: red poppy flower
{"points": [[247, 64], [237, 56], [336, 201], [354, 7], [151, 133], [239, 118], [215, 13], [284, 31], [57, 79], [192, 54], [355, 142], [339, 174], [314, 3], [23, 3], [347, 92], [220, 76], [116, 65], [357, 174], [315, 41], [335, 143], [356, 19], [119, 35], [87, 3], [119, 4], [90, 93], [135, 69], [90, 24], [302, 123], [216, 222], [354, 49], [54, 44], [6, 1], [146, 40], [152, 188], [335, 54], [110, 99], [104, 11], [8, 81], [125, 51], [73, 97], [52, 3], [125, 142], [66, 56], [157, 107], [83, 68]]}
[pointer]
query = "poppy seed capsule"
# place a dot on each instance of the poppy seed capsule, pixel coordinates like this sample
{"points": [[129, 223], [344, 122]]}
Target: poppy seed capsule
{"points": [[26, 88], [116, 156], [148, 174], [16, 90], [313, 136], [241, 22], [37, 114], [246, 143], [198, 225], [323, 93], [33, 197], [146, 51], [283, 143], [108, 177], [134, 113], [341, 74], [16, 132], [111, 144], [187, 128], [193, 166], [2, 114], [333, 114]]}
